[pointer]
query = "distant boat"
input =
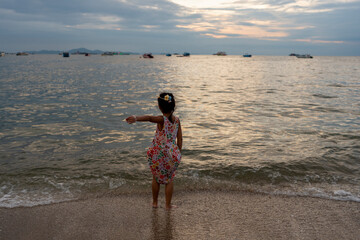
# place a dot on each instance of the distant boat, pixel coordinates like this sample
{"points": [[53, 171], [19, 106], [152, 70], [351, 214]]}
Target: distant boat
{"points": [[168, 55], [22, 54], [107, 54], [186, 54], [247, 55], [220, 54], [148, 55], [304, 56], [66, 54]]}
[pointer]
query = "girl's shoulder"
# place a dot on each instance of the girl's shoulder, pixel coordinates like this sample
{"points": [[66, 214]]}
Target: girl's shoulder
{"points": [[159, 118], [176, 119]]}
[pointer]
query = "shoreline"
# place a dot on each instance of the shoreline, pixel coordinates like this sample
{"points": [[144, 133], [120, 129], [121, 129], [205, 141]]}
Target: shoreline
{"points": [[199, 215]]}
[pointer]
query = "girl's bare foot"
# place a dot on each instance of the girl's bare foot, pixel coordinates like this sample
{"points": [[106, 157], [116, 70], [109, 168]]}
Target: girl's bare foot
{"points": [[170, 207]]}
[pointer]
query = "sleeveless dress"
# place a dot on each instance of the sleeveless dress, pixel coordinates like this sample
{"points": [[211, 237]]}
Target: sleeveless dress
{"points": [[164, 154]]}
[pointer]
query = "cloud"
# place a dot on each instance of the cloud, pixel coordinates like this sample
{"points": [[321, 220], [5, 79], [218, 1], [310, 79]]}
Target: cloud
{"points": [[312, 22], [232, 24], [215, 35], [260, 19], [83, 13], [251, 31], [98, 21], [318, 41]]}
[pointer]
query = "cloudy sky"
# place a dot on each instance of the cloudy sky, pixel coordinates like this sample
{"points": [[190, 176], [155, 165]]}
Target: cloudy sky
{"points": [[266, 27]]}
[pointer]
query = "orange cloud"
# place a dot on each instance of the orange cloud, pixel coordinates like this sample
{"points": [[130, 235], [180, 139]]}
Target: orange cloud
{"points": [[199, 27], [233, 31], [215, 35], [251, 31], [318, 41]]}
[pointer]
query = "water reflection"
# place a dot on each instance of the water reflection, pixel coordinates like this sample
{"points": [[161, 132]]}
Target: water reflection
{"points": [[162, 224], [275, 119]]}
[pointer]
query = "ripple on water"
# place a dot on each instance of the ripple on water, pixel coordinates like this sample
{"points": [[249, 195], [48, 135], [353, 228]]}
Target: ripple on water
{"points": [[256, 122]]}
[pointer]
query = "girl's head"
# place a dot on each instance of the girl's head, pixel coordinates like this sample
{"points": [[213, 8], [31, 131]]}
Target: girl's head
{"points": [[166, 102]]}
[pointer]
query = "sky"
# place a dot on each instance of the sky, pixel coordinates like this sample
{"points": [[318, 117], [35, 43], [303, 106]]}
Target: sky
{"points": [[260, 27]]}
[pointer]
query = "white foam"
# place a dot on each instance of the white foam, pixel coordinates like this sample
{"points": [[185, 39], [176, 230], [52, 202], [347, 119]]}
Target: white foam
{"points": [[342, 193], [51, 190], [339, 195]]}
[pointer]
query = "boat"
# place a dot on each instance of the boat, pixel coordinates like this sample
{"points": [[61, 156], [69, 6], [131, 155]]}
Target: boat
{"points": [[22, 54], [148, 55], [220, 54], [168, 55], [304, 56], [186, 54], [247, 55], [66, 54], [107, 54]]}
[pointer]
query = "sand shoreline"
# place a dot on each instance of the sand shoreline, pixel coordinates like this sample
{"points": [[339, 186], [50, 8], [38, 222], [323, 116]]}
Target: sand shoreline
{"points": [[199, 215]]}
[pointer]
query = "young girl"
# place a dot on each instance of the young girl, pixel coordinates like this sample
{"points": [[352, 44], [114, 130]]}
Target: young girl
{"points": [[164, 154]]}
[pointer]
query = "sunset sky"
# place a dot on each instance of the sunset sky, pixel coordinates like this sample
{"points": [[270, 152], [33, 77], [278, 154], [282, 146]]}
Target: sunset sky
{"points": [[262, 27]]}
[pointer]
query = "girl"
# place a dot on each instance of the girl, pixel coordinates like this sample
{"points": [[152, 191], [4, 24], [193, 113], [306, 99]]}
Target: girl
{"points": [[164, 154]]}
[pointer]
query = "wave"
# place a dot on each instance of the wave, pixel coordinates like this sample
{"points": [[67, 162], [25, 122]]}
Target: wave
{"points": [[51, 191]]}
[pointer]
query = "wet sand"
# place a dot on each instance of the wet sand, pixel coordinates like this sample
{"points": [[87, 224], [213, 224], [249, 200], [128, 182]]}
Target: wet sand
{"points": [[199, 215]]}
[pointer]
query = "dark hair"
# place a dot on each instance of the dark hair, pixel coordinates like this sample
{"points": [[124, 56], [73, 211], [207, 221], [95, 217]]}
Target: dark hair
{"points": [[166, 105]]}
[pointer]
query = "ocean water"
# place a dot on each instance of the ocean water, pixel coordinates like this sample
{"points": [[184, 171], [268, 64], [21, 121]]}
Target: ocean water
{"points": [[270, 124]]}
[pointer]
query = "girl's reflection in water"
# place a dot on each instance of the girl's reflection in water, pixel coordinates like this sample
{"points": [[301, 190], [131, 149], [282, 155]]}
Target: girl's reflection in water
{"points": [[162, 224]]}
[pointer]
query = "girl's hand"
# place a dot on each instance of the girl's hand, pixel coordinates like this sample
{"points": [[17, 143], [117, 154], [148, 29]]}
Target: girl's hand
{"points": [[131, 119]]}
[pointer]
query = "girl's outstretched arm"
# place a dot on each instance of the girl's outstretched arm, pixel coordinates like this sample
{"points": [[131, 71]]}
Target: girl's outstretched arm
{"points": [[145, 118], [179, 137]]}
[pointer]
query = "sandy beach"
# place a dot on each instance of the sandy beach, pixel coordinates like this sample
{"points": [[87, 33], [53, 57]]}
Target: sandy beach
{"points": [[199, 215]]}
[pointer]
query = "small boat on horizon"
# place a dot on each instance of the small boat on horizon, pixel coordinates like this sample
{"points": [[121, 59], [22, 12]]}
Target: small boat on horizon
{"points": [[186, 54], [304, 56], [107, 54], [220, 54], [66, 54], [168, 54], [22, 54], [148, 55], [300, 55], [247, 55]]}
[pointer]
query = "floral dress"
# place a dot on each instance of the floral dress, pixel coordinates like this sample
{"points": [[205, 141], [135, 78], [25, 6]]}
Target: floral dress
{"points": [[164, 154]]}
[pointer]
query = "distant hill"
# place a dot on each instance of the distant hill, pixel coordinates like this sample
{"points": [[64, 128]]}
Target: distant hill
{"points": [[80, 50], [72, 51], [85, 50]]}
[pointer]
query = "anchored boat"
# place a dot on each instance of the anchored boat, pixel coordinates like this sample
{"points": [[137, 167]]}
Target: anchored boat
{"points": [[220, 54], [304, 56], [148, 55]]}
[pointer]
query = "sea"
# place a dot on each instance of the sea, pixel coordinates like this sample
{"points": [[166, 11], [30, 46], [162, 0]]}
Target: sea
{"points": [[275, 125]]}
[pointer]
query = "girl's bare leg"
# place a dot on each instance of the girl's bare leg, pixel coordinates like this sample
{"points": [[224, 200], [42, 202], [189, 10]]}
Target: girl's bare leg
{"points": [[169, 188], [155, 192]]}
